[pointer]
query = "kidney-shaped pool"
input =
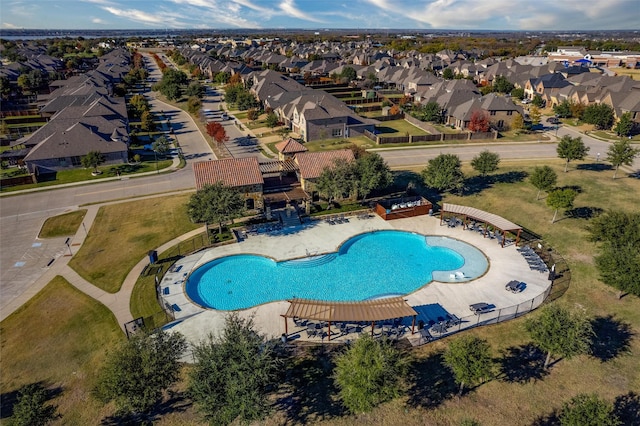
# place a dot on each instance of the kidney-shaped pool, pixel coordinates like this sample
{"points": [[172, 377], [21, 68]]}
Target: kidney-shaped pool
{"points": [[371, 265]]}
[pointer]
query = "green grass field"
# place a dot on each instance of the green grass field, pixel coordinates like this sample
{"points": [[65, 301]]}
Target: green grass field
{"points": [[123, 233], [60, 338], [62, 225]]}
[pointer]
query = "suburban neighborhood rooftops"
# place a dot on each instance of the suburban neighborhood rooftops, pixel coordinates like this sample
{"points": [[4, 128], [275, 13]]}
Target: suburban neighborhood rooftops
{"points": [[290, 146]]}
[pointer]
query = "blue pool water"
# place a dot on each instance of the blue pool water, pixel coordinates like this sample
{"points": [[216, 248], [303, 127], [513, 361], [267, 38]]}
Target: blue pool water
{"points": [[366, 266]]}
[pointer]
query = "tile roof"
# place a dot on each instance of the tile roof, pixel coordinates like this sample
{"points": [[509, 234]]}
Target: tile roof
{"points": [[290, 146], [231, 172], [312, 164]]}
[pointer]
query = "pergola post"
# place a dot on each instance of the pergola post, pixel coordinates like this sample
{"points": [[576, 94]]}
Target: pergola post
{"points": [[504, 235], [441, 215], [373, 324], [329, 328], [518, 237], [413, 325], [286, 325]]}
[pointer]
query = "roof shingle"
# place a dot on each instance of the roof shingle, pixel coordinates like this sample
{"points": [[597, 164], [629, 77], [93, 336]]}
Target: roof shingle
{"points": [[231, 172]]}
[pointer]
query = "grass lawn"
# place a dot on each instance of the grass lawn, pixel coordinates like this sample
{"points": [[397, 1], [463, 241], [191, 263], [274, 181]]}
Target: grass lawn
{"points": [[62, 225], [59, 338], [123, 233], [633, 73], [81, 175], [398, 128], [331, 144], [523, 137]]}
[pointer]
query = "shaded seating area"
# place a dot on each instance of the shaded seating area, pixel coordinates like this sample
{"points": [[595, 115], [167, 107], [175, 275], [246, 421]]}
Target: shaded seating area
{"points": [[470, 218], [383, 316]]}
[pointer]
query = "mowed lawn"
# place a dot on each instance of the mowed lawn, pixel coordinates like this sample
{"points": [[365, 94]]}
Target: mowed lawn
{"points": [[62, 225], [59, 338], [123, 234]]}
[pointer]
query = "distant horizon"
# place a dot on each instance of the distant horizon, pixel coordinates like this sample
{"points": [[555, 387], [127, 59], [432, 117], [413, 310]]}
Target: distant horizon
{"points": [[357, 15]]}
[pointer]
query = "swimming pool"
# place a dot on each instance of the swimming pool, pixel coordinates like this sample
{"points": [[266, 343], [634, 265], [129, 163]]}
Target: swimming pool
{"points": [[366, 266]]}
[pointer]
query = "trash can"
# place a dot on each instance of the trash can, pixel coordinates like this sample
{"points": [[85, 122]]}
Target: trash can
{"points": [[153, 256]]}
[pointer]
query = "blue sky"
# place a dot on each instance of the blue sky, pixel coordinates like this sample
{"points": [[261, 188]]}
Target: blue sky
{"points": [[319, 14]]}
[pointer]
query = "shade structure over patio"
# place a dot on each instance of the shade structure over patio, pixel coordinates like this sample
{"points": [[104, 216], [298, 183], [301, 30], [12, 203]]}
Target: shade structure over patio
{"points": [[365, 311], [488, 218]]}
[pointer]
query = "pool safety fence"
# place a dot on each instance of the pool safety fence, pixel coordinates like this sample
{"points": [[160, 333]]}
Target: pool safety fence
{"points": [[433, 330]]}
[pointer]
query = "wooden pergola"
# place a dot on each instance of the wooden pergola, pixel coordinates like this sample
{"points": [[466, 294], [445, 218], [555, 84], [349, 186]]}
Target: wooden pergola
{"points": [[368, 311], [487, 218]]}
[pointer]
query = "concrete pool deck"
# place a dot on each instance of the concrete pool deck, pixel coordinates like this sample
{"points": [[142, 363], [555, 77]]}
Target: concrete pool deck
{"points": [[454, 297]]}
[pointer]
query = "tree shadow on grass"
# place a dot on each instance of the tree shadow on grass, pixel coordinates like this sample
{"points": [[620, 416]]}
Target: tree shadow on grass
{"points": [[476, 184], [551, 419], [521, 364], [176, 403], [612, 337], [627, 408], [310, 395], [9, 399], [594, 167], [576, 188], [583, 212], [432, 382]]}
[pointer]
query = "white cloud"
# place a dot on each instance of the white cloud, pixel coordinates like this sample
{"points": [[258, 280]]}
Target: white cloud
{"points": [[162, 19], [206, 12], [290, 9], [98, 21], [10, 26]]}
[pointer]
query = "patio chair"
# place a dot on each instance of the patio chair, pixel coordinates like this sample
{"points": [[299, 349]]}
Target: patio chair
{"points": [[312, 331]]}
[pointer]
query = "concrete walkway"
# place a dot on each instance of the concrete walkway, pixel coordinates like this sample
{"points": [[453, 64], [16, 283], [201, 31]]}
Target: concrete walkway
{"points": [[117, 302]]}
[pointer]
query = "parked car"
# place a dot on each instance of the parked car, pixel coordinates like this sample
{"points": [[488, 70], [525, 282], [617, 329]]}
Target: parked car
{"points": [[526, 101], [553, 120]]}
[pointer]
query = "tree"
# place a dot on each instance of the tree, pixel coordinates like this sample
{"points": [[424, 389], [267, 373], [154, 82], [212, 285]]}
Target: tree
{"points": [[444, 173], [517, 124], [571, 149], [469, 357], [31, 408], [338, 181], [368, 373], [146, 121], [502, 85], [372, 173], [215, 203], [558, 331], [217, 132], [537, 101], [233, 374], [194, 104], [544, 179], [172, 91], [253, 114], [518, 93], [535, 115], [195, 89], [618, 260], [431, 111], [485, 162], [448, 74], [5, 87], [161, 145], [92, 160], [563, 109], [479, 121], [600, 115], [561, 199], [348, 73], [138, 105], [271, 120], [621, 152], [139, 370], [588, 410], [624, 126]]}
